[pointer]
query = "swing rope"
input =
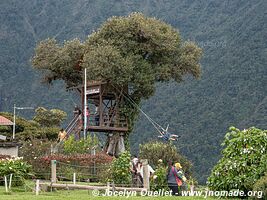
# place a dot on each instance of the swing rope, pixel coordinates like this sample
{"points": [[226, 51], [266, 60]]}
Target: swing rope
{"points": [[158, 127]]}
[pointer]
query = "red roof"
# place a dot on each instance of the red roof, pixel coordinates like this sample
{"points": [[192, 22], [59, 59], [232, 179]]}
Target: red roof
{"points": [[5, 122]]}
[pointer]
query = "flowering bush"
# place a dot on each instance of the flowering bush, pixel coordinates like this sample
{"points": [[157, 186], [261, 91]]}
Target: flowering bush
{"points": [[84, 164], [244, 160], [79, 146], [154, 151], [159, 181], [17, 167], [4, 156], [261, 185], [120, 169]]}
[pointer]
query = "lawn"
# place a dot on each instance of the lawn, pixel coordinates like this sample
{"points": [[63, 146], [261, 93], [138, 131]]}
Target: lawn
{"points": [[20, 194]]}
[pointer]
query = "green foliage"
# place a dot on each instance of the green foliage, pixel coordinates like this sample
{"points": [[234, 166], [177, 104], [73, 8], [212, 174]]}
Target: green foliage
{"points": [[72, 146], [134, 51], [159, 181], [243, 162], [261, 185], [49, 118], [154, 151], [33, 150], [16, 166], [120, 169], [31, 129]]}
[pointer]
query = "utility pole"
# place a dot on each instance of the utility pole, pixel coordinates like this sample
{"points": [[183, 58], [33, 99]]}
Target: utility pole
{"points": [[85, 106], [14, 117]]}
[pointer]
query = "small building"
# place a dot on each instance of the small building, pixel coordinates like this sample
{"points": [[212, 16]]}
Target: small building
{"points": [[7, 147]]}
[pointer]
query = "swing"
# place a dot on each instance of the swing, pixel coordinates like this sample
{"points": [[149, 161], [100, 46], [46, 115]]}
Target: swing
{"points": [[164, 134]]}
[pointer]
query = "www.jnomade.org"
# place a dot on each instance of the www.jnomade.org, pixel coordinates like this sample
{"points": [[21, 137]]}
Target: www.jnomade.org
{"points": [[232, 193], [205, 194]]}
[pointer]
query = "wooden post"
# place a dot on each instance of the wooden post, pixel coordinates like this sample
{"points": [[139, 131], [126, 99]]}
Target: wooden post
{"points": [[101, 121], [146, 174], [108, 186], [37, 187], [10, 181], [6, 184], [74, 178], [53, 171]]}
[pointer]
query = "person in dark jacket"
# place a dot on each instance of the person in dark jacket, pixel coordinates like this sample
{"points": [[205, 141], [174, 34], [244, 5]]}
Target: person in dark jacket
{"points": [[172, 179]]}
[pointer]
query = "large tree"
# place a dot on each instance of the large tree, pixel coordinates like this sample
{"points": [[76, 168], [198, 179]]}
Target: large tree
{"points": [[134, 51]]}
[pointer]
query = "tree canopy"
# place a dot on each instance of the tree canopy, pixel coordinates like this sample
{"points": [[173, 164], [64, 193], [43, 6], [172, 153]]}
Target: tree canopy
{"points": [[134, 51], [49, 118]]}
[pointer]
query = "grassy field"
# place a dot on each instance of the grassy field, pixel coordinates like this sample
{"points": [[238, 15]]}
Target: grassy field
{"points": [[20, 194]]}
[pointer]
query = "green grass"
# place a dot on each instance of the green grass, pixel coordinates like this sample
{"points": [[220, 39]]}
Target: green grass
{"points": [[25, 193]]}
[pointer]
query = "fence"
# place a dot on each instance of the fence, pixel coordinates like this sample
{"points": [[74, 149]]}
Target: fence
{"points": [[73, 184]]}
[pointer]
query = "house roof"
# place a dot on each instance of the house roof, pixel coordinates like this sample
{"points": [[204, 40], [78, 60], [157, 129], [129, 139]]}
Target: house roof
{"points": [[5, 122]]}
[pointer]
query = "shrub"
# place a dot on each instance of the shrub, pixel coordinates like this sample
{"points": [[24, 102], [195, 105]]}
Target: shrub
{"points": [[243, 162], [17, 167], [261, 185], [82, 164], [159, 181], [120, 169], [31, 151], [154, 151], [79, 146], [4, 156]]}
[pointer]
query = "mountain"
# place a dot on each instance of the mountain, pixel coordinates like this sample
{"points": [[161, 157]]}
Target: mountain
{"points": [[231, 91]]}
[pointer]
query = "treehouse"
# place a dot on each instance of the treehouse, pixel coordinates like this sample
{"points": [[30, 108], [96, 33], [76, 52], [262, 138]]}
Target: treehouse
{"points": [[103, 111]]}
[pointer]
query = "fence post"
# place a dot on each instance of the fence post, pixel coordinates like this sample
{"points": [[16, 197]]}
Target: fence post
{"points": [[10, 181], [37, 187], [53, 171], [74, 178], [6, 184], [146, 174]]}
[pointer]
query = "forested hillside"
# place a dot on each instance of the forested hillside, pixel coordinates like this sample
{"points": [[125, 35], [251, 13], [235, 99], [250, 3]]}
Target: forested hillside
{"points": [[231, 91]]}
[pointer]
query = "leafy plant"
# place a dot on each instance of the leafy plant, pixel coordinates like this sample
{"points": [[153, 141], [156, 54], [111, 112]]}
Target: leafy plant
{"points": [[120, 169], [49, 118], [154, 151], [159, 181], [261, 185], [79, 146], [17, 167], [243, 162], [79, 163]]}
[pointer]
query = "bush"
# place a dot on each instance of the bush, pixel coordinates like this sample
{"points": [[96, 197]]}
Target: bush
{"points": [[17, 167], [79, 146], [261, 185], [31, 151], [160, 180], [120, 169], [4, 156], [82, 164], [244, 160], [154, 151]]}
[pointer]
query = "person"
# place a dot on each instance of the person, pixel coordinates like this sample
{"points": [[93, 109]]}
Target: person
{"points": [[181, 176], [61, 135], [97, 116], [136, 166], [166, 136], [151, 171], [77, 110], [173, 180], [87, 112]]}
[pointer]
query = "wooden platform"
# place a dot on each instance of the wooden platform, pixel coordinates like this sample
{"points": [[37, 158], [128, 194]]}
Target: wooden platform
{"points": [[106, 129]]}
